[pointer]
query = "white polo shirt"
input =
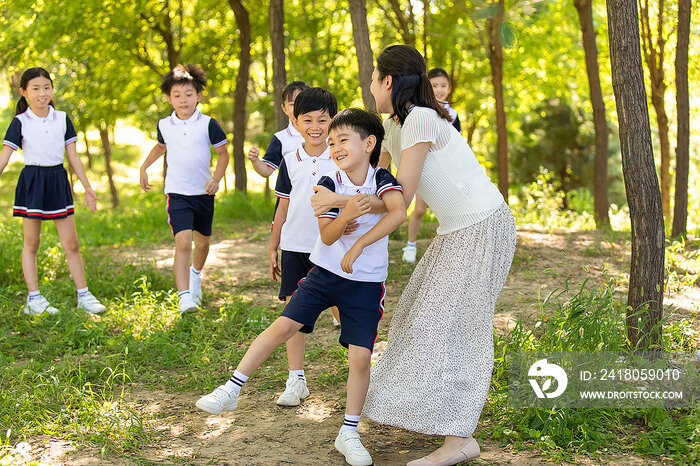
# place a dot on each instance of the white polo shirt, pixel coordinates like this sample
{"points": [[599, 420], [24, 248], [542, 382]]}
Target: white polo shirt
{"points": [[282, 143], [42, 140], [298, 173], [187, 151], [373, 263]]}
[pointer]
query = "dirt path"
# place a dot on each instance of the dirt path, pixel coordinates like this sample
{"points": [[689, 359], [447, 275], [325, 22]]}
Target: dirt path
{"points": [[261, 433]]}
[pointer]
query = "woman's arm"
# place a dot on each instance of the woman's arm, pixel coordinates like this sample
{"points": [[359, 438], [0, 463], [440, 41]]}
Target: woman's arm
{"points": [[74, 160], [411, 168]]}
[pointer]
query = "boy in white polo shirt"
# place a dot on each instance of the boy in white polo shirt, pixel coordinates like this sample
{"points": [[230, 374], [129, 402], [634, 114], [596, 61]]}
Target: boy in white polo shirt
{"points": [[350, 272], [185, 138]]}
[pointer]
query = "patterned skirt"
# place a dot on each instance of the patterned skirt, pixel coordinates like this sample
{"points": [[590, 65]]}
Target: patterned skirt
{"points": [[435, 373], [43, 193]]}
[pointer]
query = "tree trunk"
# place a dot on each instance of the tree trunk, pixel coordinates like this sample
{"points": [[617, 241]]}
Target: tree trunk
{"points": [[426, 19], [87, 150], [360, 34], [279, 70], [239, 96], [654, 57], [107, 148], [495, 54], [645, 296], [600, 174], [680, 205]]}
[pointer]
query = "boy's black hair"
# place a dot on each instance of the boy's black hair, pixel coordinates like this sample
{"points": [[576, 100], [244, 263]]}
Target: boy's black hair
{"points": [[315, 98], [181, 74], [365, 124], [435, 72], [291, 88]]}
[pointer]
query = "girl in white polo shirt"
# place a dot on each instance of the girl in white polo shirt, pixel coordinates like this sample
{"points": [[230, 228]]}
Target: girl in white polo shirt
{"points": [[43, 192]]}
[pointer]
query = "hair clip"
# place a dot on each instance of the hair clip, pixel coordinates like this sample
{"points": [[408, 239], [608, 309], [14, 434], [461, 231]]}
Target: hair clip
{"points": [[181, 73]]}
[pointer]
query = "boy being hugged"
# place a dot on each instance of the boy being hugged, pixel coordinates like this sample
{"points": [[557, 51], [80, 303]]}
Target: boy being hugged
{"points": [[185, 137], [350, 272], [295, 228]]}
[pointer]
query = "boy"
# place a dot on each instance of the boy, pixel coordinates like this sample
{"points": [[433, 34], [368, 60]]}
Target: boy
{"points": [[283, 142], [189, 185], [350, 272], [295, 228]]}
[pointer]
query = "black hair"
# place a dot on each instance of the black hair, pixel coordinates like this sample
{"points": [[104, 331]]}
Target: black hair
{"points": [[365, 124], [315, 98], [27, 76], [291, 88], [184, 74], [436, 72], [410, 83]]}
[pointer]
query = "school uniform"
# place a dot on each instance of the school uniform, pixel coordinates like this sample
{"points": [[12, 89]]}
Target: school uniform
{"points": [[359, 296], [298, 173], [42, 191], [454, 116], [188, 158], [283, 142]]}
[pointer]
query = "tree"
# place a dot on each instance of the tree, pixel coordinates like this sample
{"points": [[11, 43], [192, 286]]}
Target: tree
{"points": [[680, 206], [600, 173], [654, 56], [279, 70], [240, 94], [645, 295], [360, 33], [495, 55]]}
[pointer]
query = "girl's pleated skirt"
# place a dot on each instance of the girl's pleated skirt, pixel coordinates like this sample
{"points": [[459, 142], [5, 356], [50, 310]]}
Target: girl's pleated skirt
{"points": [[43, 193]]}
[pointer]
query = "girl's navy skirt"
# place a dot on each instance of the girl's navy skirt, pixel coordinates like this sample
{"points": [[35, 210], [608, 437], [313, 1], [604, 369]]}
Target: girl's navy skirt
{"points": [[43, 193]]}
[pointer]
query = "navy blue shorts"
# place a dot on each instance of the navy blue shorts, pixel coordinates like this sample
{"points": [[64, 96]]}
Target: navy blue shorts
{"points": [[361, 305], [295, 266], [190, 213], [43, 193]]}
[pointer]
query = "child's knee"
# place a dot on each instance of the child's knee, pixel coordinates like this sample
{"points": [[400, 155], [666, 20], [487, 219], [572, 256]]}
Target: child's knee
{"points": [[287, 327], [183, 242], [31, 245], [359, 358], [71, 247], [201, 241], [419, 210]]}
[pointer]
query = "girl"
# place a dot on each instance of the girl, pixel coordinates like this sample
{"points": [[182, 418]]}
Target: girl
{"points": [[43, 192], [435, 373]]}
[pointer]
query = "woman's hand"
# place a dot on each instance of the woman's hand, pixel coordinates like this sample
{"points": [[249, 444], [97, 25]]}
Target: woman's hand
{"points": [[350, 257], [91, 199]]}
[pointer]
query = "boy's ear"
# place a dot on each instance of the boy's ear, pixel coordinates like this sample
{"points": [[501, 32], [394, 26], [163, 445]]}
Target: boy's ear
{"points": [[370, 142]]}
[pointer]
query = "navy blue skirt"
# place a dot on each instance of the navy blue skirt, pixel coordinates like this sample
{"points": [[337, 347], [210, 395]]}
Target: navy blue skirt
{"points": [[43, 193]]}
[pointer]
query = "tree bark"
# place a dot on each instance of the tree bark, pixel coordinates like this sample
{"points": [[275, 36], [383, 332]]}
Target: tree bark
{"points": [[680, 205], [495, 55], [404, 23], [360, 34], [600, 172], [654, 54], [87, 150], [279, 70], [107, 148], [239, 96], [645, 295]]}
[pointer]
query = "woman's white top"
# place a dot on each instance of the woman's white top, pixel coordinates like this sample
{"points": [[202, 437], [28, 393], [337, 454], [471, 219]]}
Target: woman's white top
{"points": [[453, 183]]}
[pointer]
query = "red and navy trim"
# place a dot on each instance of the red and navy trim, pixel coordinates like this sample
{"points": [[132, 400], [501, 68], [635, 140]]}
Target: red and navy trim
{"points": [[21, 211]]}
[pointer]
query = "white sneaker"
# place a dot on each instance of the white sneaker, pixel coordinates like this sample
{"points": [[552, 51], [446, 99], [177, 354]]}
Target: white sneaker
{"points": [[196, 287], [186, 304], [39, 306], [409, 254], [90, 304], [218, 401], [349, 444], [295, 392], [335, 322]]}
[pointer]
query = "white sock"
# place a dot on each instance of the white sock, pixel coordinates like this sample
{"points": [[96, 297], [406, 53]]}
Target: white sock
{"points": [[235, 383], [194, 271], [350, 423], [180, 294], [82, 292], [299, 373], [33, 295], [411, 243]]}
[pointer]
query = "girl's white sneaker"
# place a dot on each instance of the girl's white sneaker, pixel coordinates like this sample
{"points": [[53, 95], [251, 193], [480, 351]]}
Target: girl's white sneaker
{"points": [[39, 306], [90, 304]]}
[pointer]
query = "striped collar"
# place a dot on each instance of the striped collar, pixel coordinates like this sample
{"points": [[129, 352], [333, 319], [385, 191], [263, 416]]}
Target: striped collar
{"points": [[291, 130], [174, 120], [51, 115], [302, 155], [342, 177]]}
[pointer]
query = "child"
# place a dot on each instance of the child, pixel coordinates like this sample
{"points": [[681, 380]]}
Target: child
{"points": [[189, 185], [295, 227], [350, 272], [440, 81], [43, 192], [283, 142]]}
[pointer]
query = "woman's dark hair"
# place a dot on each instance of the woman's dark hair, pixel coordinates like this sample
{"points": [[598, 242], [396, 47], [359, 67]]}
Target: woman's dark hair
{"points": [[27, 76], [411, 85], [435, 72], [291, 88], [181, 74], [315, 98], [365, 124]]}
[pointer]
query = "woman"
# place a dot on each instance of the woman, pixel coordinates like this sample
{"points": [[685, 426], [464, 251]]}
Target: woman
{"points": [[435, 373]]}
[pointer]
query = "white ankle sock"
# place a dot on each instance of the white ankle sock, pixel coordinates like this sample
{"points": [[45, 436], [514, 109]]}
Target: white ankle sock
{"points": [[350, 423], [32, 295], [299, 373], [235, 383], [411, 243]]}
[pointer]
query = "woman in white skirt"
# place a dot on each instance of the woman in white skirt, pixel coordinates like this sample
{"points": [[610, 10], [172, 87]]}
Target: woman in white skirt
{"points": [[435, 373]]}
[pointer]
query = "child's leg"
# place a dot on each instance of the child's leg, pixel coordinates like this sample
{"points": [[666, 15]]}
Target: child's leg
{"points": [[280, 331], [32, 233], [201, 250], [295, 351], [69, 239], [359, 359], [336, 314], [416, 219], [181, 263]]}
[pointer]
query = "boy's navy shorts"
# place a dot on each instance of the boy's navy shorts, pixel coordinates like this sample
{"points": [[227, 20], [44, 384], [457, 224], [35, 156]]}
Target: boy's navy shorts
{"points": [[295, 266], [190, 213], [361, 305]]}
